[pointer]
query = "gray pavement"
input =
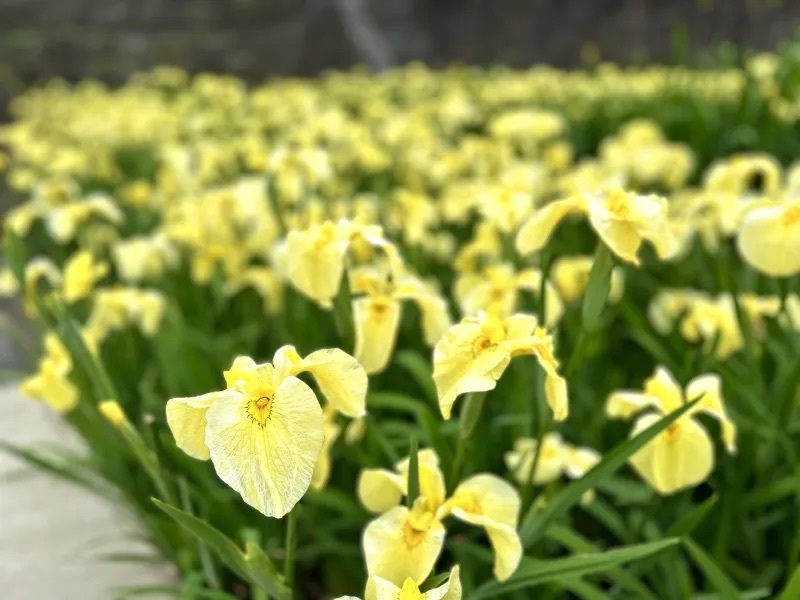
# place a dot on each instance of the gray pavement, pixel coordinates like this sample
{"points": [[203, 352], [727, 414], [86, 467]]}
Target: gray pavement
{"points": [[53, 535]]}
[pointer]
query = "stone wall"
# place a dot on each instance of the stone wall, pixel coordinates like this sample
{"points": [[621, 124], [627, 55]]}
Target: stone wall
{"points": [[109, 39]]}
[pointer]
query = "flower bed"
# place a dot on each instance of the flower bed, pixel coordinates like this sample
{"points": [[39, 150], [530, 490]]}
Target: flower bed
{"points": [[470, 332]]}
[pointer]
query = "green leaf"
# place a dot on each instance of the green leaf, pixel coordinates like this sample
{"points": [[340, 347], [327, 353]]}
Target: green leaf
{"points": [[573, 541], [598, 286], [413, 473], [536, 572], [263, 573], [254, 566], [535, 523], [688, 522], [715, 575], [217, 541], [792, 589]]}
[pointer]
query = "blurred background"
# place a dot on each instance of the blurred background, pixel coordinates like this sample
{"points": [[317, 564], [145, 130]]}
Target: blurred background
{"points": [[110, 39], [256, 39]]}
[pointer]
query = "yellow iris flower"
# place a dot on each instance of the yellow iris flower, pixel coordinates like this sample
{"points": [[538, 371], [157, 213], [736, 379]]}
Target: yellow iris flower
{"points": [[623, 220], [376, 312], [80, 274], [314, 259], [405, 543], [51, 383], [557, 458], [497, 289], [265, 431], [379, 588], [769, 238], [682, 455], [474, 353]]}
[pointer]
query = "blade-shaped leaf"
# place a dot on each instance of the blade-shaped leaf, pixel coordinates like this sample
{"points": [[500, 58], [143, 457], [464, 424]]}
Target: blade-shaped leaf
{"points": [[534, 524], [686, 524], [792, 589], [715, 575], [254, 566], [536, 572]]}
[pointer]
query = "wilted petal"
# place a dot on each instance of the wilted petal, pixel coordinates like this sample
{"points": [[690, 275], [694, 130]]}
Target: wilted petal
{"points": [[269, 459]]}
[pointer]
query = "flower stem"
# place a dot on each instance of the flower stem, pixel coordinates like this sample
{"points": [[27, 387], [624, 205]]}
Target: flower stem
{"points": [[291, 543]]}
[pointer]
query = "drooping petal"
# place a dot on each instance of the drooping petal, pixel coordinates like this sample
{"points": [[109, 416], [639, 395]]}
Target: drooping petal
{"points": [[503, 538], [709, 389], [680, 457], [186, 418], [322, 470], [401, 544], [341, 379], [267, 454], [580, 460], [555, 388], [536, 231], [315, 263], [490, 496], [376, 322], [380, 490]]}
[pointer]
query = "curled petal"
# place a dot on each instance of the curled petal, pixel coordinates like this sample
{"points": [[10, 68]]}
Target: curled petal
{"points": [[709, 389], [268, 458], [186, 418], [536, 231], [341, 379]]}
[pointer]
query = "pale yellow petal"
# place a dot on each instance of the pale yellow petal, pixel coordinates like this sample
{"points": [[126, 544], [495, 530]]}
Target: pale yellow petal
{"points": [[769, 239], [315, 267], [453, 586], [580, 460], [680, 457], [709, 389], [341, 379], [394, 550], [490, 496], [536, 231], [322, 470], [186, 418], [555, 388], [380, 490], [550, 465], [241, 367], [504, 539], [624, 404], [376, 323], [269, 463]]}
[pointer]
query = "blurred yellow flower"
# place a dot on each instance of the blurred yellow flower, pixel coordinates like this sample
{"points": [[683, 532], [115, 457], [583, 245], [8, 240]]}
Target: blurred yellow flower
{"points": [[769, 238], [496, 289], [557, 458], [81, 272], [474, 353], [682, 455], [622, 220], [376, 311], [51, 383]]}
